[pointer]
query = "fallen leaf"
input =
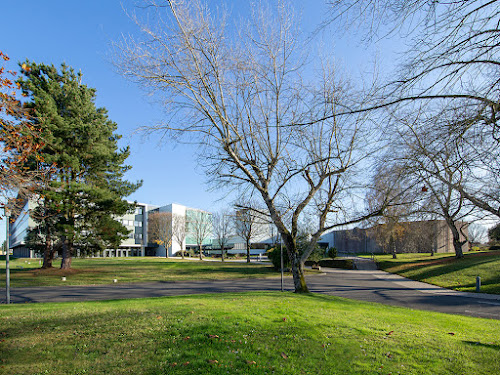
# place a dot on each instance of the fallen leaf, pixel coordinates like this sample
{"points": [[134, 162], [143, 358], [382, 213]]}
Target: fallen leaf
{"points": [[251, 362], [174, 364], [451, 333], [284, 319], [213, 361], [213, 336], [284, 355], [185, 363], [389, 333], [187, 338]]}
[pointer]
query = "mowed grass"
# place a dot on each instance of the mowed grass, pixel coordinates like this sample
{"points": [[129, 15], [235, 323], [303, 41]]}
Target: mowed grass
{"points": [[97, 271], [447, 271], [254, 333]]}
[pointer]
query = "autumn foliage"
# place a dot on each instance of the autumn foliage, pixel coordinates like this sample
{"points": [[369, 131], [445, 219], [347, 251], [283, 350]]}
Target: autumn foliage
{"points": [[19, 140]]}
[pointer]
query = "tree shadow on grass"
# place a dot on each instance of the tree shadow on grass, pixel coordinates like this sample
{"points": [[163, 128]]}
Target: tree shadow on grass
{"points": [[454, 265], [484, 345]]}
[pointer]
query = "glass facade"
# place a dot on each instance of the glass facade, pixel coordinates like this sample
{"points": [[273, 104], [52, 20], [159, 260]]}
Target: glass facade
{"points": [[19, 229], [197, 218]]}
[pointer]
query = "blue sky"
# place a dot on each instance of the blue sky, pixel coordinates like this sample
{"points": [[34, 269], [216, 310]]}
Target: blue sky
{"points": [[79, 34]]}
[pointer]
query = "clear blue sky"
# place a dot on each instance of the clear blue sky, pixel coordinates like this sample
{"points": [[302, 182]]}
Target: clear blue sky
{"points": [[79, 33]]}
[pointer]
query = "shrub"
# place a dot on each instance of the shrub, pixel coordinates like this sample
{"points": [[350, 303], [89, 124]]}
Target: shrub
{"points": [[494, 233], [179, 253], [332, 252], [334, 263], [316, 255], [274, 255]]}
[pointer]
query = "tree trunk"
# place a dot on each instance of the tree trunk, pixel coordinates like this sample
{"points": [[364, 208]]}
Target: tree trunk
{"points": [[457, 244], [222, 253], [458, 248], [201, 254], [48, 257], [48, 254], [66, 254], [248, 251], [392, 245], [299, 280]]}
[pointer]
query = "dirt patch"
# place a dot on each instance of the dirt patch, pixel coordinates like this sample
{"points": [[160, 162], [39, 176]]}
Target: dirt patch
{"points": [[55, 272]]}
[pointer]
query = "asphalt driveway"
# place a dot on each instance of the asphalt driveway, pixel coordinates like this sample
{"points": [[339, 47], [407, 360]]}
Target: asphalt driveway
{"points": [[372, 286]]}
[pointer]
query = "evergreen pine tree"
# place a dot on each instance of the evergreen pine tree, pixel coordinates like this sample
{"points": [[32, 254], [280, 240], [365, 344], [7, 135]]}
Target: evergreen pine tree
{"points": [[86, 188]]}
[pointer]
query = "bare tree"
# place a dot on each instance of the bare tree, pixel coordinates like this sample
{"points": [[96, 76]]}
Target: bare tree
{"points": [[160, 229], [249, 224], [425, 160], [241, 95], [223, 227], [477, 234], [179, 231], [450, 73], [453, 49], [200, 226]]}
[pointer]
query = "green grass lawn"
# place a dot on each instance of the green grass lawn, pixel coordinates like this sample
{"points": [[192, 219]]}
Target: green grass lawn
{"points": [[94, 271], [447, 271], [254, 333]]}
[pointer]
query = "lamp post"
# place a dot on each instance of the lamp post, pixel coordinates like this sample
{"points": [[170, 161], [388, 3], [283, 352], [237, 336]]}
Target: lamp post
{"points": [[281, 256], [7, 269]]}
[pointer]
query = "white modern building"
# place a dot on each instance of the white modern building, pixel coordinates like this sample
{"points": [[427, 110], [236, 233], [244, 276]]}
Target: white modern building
{"points": [[137, 222], [192, 218]]}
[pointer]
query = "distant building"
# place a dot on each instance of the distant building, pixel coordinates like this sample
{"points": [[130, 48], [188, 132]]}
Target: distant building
{"points": [[419, 236], [137, 223], [189, 215], [137, 243], [21, 222]]}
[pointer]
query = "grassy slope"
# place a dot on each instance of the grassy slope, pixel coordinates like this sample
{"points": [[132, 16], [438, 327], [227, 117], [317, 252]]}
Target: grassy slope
{"points": [[447, 271], [128, 270], [255, 333]]}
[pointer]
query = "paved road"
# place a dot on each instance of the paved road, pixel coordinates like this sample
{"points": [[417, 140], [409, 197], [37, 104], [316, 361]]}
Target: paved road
{"points": [[374, 286]]}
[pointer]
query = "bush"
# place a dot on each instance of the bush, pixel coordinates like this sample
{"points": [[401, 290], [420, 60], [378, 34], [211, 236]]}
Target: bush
{"points": [[332, 252], [334, 263], [494, 233], [274, 255], [316, 255]]}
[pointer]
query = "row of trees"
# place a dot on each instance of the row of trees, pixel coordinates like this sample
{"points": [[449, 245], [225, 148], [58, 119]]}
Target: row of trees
{"points": [[165, 228], [439, 114], [61, 151]]}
